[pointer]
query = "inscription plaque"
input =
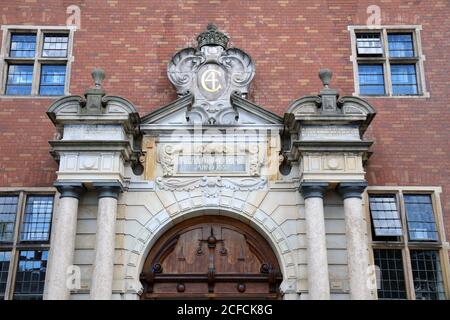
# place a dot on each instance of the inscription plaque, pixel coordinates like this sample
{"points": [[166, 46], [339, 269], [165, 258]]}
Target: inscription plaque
{"points": [[330, 132], [212, 164]]}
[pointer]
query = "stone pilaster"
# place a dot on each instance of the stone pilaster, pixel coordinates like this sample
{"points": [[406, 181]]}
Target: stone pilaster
{"points": [[318, 280], [63, 241], [357, 242], [102, 276]]}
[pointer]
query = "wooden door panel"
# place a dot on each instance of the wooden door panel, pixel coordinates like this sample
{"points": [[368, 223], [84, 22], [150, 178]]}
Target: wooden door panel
{"points": [[211, 257]]}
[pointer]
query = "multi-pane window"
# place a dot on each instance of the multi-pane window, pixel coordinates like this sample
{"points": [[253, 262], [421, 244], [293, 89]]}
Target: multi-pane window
{"points": [[20, 79], [23, 45], [52, 80], [24, 243], [421, 222], [385, 216], [8, 209], [35, 61], [55, 45], [387, 62], [407, 244], [5, 257], [37, 219], [392, 279], [30, 275], [427, 275], [371, 79]]}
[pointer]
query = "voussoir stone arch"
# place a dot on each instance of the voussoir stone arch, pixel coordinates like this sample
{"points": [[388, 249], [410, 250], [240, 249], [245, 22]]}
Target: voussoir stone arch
{"points": [[176, 210]]}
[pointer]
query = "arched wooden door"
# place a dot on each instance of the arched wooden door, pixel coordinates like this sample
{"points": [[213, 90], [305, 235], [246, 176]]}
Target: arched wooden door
{"points": [[211, 257]]}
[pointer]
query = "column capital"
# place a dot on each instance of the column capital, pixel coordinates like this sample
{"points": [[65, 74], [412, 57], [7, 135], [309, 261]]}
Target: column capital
{"points": [[69, 189], [313, 189], [351, 189], [108, 189]]}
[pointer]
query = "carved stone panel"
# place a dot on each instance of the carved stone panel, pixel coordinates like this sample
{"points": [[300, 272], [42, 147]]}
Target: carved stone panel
{"points": [[211, 73]]}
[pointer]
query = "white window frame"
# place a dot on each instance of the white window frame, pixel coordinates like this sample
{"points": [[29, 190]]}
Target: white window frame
{"points": [[384, 60], [405, 245], [37, 60]]}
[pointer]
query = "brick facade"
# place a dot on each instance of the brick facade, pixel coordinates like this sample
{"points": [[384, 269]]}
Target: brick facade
{"points": [[288, 40]]}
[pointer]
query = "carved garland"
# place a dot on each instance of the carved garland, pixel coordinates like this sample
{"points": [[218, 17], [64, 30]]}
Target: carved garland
{"points": [[211, 186]]}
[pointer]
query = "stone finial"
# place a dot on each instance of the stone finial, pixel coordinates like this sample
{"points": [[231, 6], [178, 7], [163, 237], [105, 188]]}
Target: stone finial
{"points": [[98, 75], [325, 76]]}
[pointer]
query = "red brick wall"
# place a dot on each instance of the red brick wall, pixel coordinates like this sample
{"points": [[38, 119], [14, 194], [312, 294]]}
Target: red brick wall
{"points": [[288, 40]]}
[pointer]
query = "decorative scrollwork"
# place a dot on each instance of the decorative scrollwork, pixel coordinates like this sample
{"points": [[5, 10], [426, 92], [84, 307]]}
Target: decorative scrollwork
{"points": [[211, 186]]}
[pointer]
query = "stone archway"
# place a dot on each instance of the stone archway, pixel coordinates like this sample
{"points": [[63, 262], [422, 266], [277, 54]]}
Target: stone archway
{"points": [[210, 257]]}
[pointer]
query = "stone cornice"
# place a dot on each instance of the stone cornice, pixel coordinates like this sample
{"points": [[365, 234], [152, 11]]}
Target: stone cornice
{"points": [[123, 146]]}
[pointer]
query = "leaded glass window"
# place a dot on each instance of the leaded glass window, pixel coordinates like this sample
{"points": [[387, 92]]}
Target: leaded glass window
{"points": [[420, 216], [385, 216], [37, 218], [30, 276], [427, 275], [8, 210], [392, 278], [5, 258], [407, 245]]}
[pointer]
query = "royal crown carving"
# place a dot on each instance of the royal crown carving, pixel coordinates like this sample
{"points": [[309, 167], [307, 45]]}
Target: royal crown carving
{"points": [[211, 73]]}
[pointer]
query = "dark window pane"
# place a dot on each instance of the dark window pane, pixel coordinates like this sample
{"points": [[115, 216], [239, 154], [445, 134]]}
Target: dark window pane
{"points": [[5, 258], [400, 45], [8, 209], [371, 79], [419, 213], [368, 44], [55, 45], [385, 216], [30, 276], [404, 80], [37, 219], [391, 282], [20, 77], [22, 45], [52, 80], [427, 275]]}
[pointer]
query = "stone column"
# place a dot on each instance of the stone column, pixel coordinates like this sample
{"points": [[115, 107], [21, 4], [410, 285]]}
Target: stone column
{"points": [[63, 240], [318, 283], [357, 242], [102, 275]]}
